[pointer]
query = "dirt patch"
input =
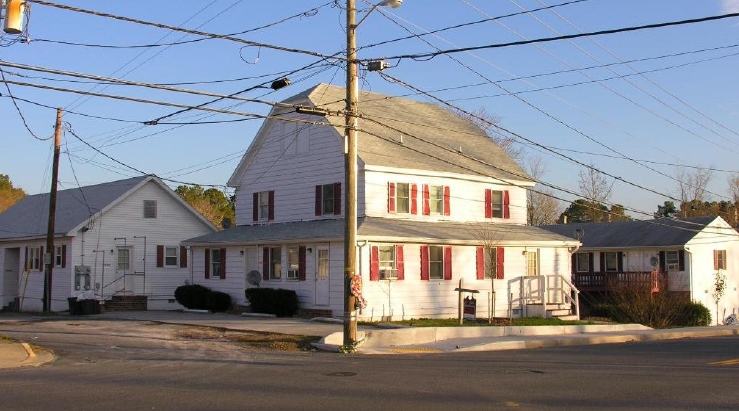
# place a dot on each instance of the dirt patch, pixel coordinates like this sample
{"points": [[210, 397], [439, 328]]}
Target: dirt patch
{"points": [[250, 339]]}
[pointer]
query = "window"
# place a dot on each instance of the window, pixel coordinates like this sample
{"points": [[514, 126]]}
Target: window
{"points": [[293, 263], [436, 263], [403, 198], [35, 259], [611, 261], [150, 208], [387, 261], [436, 199], [328, 199], [58, 256], [275, 263], [491, 262], [170, 256], [582, 262], [497, 204], [264, 206], [672, 260], [215, 262], [123, 262], [532, 263], [719, 259]]}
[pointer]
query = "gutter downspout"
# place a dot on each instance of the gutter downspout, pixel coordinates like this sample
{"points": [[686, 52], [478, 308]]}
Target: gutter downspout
{"points": [[690, 273]]}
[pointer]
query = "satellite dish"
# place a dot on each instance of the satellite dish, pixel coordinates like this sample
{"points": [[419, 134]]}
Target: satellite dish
{"points": [[654, 261], [226, 222], [254, 277]]}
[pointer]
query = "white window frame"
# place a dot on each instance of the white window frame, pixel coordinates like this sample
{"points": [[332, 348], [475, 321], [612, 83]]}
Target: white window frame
{"points": [[578, 267], [327, 202], [436, 263], [496, 203], [721, 259], [610, 257], [127, 262], [672, 260], [167, 257], [215, 263], [263, 205], [58, 258], [35, 259], [149, 206], [293, 263], [275, 263], [388, 266], [532, 263], [407, 198], [436, 196]]}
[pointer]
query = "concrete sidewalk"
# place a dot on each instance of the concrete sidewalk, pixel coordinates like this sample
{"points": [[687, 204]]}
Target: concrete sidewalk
{"points": [[376, 340]]}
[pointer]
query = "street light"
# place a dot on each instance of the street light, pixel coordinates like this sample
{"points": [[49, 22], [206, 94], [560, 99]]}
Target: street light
{"points": [[350, 165]]}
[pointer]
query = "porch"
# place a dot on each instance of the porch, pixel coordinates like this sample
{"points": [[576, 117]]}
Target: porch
{"points": [[604, 282], [543, 296]]}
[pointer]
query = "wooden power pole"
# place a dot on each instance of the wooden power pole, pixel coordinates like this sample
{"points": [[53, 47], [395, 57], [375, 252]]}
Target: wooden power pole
{"points": [[50, 251]]}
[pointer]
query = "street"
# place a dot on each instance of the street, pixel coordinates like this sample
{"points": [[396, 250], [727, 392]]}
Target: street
{"points": [[131, 365]]}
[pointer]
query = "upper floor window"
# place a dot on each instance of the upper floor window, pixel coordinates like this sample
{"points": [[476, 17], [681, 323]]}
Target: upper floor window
{"points": [[150, 208], [402, 198], [263, 206], [497, 204], [435, 200], [328, 199], [719, 259]]}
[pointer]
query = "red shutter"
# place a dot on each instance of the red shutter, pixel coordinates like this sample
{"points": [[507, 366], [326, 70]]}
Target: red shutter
{"points": [[426, 208], [265, 263], [681, 260], [488, 203], [480, 263], [255, 207], [207, 263], [64, 256], [391, 197], [183, 256], [400, 262], [374, 263], [301, 263], [447, 201], [319, 200], [500, 261], [414, 199], [160, 256], [424, 263], [337, 198], [271, 215], [447, 263], [506, 205], [223, 264]]}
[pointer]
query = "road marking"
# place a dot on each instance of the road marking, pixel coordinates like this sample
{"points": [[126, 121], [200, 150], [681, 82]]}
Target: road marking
{"points": [[734, 361]]}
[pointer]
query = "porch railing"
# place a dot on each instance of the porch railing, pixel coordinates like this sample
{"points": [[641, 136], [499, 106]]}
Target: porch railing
{"points": [[542, 290], [608, 281]]}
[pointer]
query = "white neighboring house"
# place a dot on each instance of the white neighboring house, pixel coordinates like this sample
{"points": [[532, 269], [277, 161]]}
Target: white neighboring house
{"points": [[434, 191], [687, 252], [120, 238]]}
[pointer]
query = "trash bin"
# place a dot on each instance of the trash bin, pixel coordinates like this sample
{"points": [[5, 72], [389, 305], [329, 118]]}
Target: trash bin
{"points": [[74, 307], [87, 307]]}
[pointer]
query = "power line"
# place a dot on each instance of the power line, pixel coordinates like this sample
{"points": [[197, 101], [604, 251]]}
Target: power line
{"points": [[428, 56], [179, 29], [18, 109]]}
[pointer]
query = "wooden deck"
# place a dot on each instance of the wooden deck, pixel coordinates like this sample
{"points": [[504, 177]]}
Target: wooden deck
{"points": [[608, 281]]}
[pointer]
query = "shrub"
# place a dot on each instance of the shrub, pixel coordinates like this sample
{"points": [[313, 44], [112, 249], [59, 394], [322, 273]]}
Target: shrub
{"points": [[192, 296], [603, 310], [280, 302], [694, 314], [217, 301]]}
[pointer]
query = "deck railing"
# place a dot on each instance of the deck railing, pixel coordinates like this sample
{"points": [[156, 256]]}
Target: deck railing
{"points": [[608, 281]]}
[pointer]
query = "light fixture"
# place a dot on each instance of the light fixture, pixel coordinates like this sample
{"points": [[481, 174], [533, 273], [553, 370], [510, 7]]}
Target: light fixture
{"points": [[310, 249]]}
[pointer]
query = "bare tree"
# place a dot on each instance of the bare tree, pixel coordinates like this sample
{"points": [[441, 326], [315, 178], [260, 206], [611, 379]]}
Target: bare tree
{"points": [[596, 190], [489, 238], [541, 205], [734, 188], [486, 122], [692, 189]]}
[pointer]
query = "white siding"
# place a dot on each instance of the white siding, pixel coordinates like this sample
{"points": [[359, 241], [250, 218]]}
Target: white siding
{"points": [[293, 177], [467, 198]]}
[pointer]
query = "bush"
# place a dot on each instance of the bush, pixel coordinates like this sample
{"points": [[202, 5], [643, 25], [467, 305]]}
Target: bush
{"points": [[694, 314], [217, 301], [603, 311], [280, 302], [192, 296]]}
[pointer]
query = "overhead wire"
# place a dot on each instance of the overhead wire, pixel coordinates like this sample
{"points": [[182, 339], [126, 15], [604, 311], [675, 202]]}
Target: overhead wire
{"points": [[18, 109]]}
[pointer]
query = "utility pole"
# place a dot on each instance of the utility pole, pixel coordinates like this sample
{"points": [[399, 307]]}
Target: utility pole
{"points": [[350, 175], [50, 251]]}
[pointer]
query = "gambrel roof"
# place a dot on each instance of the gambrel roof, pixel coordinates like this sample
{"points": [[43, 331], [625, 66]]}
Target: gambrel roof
{"points": [[662, 232], [29, 217], [446, 136]]}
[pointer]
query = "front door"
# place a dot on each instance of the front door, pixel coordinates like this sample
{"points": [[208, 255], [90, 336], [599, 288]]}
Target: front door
{"points": [[322, 275], [124, 271], [9, 280]]}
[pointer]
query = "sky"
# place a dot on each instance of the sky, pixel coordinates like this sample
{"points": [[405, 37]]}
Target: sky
{"points": [[572, 102]]}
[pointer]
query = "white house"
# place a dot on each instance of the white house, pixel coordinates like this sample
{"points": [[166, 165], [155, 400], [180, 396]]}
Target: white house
{"points": [[434, 192], [120, 238], [687, 253]]}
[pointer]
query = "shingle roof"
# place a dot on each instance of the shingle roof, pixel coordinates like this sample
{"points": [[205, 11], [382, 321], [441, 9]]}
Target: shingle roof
{"points": [[30, 216], [418, 119], [663, 232], [385, 228]]}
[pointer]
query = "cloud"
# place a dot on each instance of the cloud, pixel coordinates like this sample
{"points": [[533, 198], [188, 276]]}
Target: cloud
{"points": [[730, 6]]}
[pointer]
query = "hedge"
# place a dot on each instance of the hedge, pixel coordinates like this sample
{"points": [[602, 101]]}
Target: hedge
{"points": [[280, 302]]}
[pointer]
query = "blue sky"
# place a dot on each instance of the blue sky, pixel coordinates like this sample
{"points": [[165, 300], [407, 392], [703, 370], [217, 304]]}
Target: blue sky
{"points": [[684, 111]]}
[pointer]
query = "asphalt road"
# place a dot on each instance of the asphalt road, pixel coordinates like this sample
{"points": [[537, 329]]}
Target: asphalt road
{"points": [[140, 366]]}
